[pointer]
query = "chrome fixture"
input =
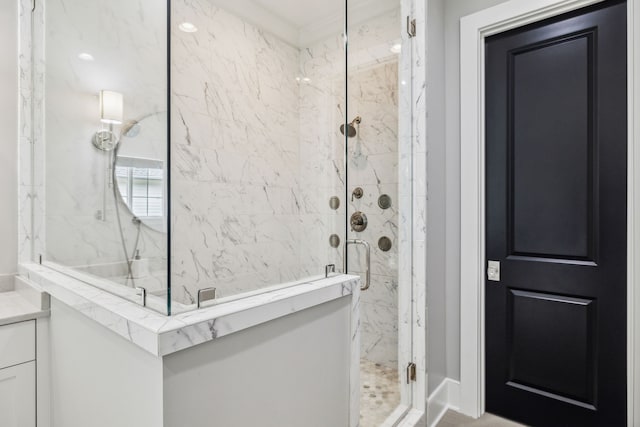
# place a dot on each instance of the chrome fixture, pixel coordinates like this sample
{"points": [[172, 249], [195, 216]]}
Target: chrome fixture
{"points": [[143, 295], [411, 372], [105, 140], [111, 113], [358, 221], [358, 192], [384, 243], [334, 240], [351, 128], [206, 294], [384, 201], [411, 27], [367, 247], [334, 203], [330, 268]]}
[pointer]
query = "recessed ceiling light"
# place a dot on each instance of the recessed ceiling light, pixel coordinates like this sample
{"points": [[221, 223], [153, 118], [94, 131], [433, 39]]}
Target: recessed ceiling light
{"points": [[188, 27], [85, 56], [396, 48]]}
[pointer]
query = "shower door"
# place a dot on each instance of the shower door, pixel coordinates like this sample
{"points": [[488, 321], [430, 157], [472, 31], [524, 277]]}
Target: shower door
{"points": [[377, 136]]}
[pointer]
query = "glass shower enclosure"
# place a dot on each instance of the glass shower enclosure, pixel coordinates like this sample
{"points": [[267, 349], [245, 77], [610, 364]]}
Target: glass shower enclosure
{"points": [[215, 149]]}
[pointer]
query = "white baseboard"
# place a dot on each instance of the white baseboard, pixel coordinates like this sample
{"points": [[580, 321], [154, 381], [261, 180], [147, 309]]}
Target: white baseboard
{"points": [[396, 416], [414, 418], [445, 396]]}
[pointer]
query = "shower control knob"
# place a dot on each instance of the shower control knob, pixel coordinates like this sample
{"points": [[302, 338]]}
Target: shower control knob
{"points": [[358, 192], [358, 221]]}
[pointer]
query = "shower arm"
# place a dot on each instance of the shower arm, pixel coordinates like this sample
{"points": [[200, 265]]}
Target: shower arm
{"points": [[367, 280]]}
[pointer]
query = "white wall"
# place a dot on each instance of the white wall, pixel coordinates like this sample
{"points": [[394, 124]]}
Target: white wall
{"points": [[235, 155], [443, 59], [436, 217], [293, 371], [98, 378], [8, 137]]}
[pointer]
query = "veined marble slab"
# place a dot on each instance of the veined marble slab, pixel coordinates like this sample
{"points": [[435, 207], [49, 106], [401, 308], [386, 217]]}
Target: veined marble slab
{"points": [[162, 335]]}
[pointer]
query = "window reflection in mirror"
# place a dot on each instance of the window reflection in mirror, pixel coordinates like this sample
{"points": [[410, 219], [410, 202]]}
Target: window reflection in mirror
{"points": [[140, 182], [140, 170]]}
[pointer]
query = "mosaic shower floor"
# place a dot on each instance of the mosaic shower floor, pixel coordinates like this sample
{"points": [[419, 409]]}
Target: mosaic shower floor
{"points": [[379, 393]]}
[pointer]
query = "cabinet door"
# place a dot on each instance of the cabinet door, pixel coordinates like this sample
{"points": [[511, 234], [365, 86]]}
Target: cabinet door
{"points": [[18, 396]]}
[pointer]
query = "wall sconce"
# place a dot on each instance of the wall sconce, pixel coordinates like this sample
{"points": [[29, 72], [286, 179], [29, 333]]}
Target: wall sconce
{"points": [[111, 113]]}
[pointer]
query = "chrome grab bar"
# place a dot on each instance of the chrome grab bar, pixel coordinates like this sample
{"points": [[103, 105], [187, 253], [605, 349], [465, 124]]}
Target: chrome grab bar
{"points": [[367, 280]]}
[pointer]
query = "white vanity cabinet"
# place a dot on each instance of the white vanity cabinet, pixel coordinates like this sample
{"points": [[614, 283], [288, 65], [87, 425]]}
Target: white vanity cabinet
{"points": [[18, 374]]}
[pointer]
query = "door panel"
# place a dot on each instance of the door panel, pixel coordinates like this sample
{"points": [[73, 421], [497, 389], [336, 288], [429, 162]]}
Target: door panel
{"points": [[556, 219], [554, 224], [550, 350]]}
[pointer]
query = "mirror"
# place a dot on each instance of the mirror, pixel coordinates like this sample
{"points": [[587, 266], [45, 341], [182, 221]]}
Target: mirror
{"points": [[140, 169]]}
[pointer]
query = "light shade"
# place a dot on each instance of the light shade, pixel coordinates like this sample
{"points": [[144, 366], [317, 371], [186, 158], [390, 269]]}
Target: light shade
{"points": [[111, 107]]}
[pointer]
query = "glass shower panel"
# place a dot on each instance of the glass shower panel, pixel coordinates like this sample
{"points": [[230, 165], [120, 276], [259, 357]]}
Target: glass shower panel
{"points": [[258, 161], [377, 86], [106, 138]]}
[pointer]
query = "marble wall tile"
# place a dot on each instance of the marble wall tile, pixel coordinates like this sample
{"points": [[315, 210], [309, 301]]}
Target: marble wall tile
{"points": [[383, 291], [26, 132], [235, 155], [250, 139], [379, 347], [419, 147]]}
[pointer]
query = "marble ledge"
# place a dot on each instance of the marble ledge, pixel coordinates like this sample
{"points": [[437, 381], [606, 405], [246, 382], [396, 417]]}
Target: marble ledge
{"points": [[162, 335]]}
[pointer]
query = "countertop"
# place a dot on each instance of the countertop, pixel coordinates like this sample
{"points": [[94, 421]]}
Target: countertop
{"points": [[22, 303]]}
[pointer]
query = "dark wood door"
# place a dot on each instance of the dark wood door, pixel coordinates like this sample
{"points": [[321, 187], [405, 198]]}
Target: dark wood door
{"points": [[556, 150]]}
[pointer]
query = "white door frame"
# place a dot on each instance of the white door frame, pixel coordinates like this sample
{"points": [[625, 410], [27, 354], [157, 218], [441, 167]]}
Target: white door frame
{"points": [[473, 30]]}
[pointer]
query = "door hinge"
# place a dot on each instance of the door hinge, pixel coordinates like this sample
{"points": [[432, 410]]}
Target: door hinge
{"points": [[411, 372], [411, 27]]}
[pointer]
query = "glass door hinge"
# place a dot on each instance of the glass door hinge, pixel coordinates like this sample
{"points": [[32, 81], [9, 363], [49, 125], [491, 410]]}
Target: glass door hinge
{"points": [[411, 27], [411, 372]]}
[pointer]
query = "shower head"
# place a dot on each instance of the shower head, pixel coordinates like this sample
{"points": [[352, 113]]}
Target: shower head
{"points": [[351, 129], [131, 129]]}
